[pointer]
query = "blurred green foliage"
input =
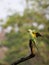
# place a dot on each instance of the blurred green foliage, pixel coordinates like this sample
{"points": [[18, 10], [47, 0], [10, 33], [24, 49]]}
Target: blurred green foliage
{"points": [[18, 42]]}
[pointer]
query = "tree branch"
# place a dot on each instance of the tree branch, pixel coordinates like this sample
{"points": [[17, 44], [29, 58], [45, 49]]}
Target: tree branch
{"points": [[28, 57]]}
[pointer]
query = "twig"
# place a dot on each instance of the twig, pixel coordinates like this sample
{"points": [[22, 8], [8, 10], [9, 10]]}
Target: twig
{"points": [[28, 57], [23, 59]]}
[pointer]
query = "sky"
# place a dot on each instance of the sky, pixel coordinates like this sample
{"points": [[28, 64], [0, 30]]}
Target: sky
{"points": [[8, 7]]}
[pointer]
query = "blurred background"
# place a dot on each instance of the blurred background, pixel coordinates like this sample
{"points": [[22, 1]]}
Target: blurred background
{"points": [[16, 17]]}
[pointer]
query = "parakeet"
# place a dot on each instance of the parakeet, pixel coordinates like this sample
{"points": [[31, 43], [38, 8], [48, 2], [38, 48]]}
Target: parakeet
{"points": [[33, 35]]}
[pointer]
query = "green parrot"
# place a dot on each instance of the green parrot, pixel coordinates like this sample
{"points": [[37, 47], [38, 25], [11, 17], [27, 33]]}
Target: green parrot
{"points": [[33, 36]]}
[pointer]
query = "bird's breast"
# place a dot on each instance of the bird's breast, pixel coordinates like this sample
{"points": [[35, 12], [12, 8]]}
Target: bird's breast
{"points": [[34, 35]]}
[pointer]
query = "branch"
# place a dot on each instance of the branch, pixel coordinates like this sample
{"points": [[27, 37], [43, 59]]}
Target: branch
{"points": [[28, 57], [23, 59]]}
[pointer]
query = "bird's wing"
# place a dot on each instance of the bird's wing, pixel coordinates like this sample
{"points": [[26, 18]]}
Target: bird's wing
{"points": [[38, 34]]}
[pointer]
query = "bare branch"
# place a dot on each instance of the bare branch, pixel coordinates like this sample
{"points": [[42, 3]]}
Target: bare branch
{"points": [[28, 57]]}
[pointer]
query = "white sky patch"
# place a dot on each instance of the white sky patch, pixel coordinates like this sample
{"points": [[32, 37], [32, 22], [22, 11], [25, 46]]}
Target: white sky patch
{"points": [[8, 7], [16, 28], [35, 24], [41, 26], [47, 16], [8, 29], [47, 13]]}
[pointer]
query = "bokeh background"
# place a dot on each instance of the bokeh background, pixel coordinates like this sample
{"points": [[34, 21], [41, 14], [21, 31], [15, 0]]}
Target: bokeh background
{"points": [[16, 17]]}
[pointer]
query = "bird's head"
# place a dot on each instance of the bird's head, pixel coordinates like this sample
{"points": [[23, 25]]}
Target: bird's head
{"points": [[34, 33], [31, 31]]}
